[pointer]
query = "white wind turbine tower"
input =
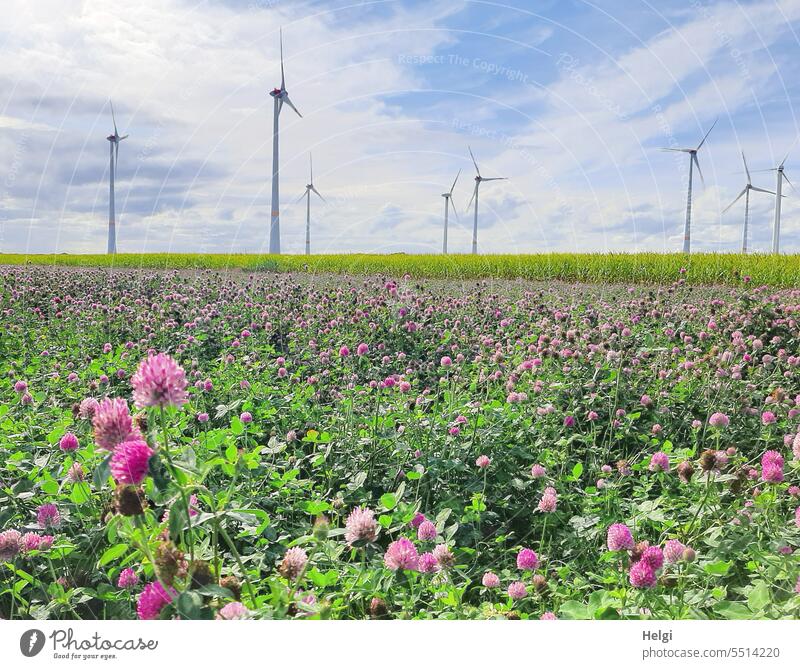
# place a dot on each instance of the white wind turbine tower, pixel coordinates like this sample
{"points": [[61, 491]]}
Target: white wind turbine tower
{"points": [[687, 229], [447, 203], [280, 96], [478, 181], [309, 187], [746, 192], [113, 146]]}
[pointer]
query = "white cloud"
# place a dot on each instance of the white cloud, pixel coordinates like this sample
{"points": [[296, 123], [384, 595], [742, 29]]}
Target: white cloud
{"points": [[191, 81]]}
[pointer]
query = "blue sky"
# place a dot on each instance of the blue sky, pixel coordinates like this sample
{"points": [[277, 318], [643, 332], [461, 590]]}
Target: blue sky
{"points": [[570, 100]]}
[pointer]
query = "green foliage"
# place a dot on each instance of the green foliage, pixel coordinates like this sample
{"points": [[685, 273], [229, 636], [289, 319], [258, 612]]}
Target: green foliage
{"points": [[652, 268], [542, 373]]}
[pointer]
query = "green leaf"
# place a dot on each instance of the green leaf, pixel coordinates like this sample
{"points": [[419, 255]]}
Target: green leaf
{"points": [[606, 613], [318, 507], [177, 518], [290, 475], [733, 610], [232, 453], [159, 474], [574, 611], [389, 500], [189, 605], [719, 568], [50, 487], [759, 597], [102, 472], [322, 580], [78, 494], [112, 554], [577, 470], [358, 481], [237, 427], [600, 599], [441, 518], [450, 532]]}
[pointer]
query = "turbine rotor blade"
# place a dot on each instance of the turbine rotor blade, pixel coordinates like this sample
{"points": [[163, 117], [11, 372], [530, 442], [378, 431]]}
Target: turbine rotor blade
{"points": [[747, 171], [454, 182], [302, 196], [114, 119], [789, 151], [317, 192], [738, 197], [493, 178], [788, 182], [286, 99], [283, 78], [699, 171], [310, 169], [678, 150], [474, 162], [707, 134], [474, 191], [762, 190], [453, 206]]}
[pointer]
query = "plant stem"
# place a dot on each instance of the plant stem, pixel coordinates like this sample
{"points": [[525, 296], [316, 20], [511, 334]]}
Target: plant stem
{"points": [[174, 475]]}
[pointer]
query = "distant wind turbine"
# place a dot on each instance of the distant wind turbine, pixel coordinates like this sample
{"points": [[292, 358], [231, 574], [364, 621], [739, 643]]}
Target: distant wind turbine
{"points": [[746, 192], [478, 181], [781, 176], [113, 146], [447, 203], [309, 188], [280, 96], [687, 229]]}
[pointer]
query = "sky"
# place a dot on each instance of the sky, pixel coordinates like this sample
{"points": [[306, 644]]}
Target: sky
{"points": [[570, 100]]}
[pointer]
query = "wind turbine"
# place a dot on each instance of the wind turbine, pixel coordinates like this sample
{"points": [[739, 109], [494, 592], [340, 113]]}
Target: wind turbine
{"points": [[781, 175], [309, 187], [746, 192], [280, 96], [113, 146], [447, 197], [478, 181], [687, 229]]}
